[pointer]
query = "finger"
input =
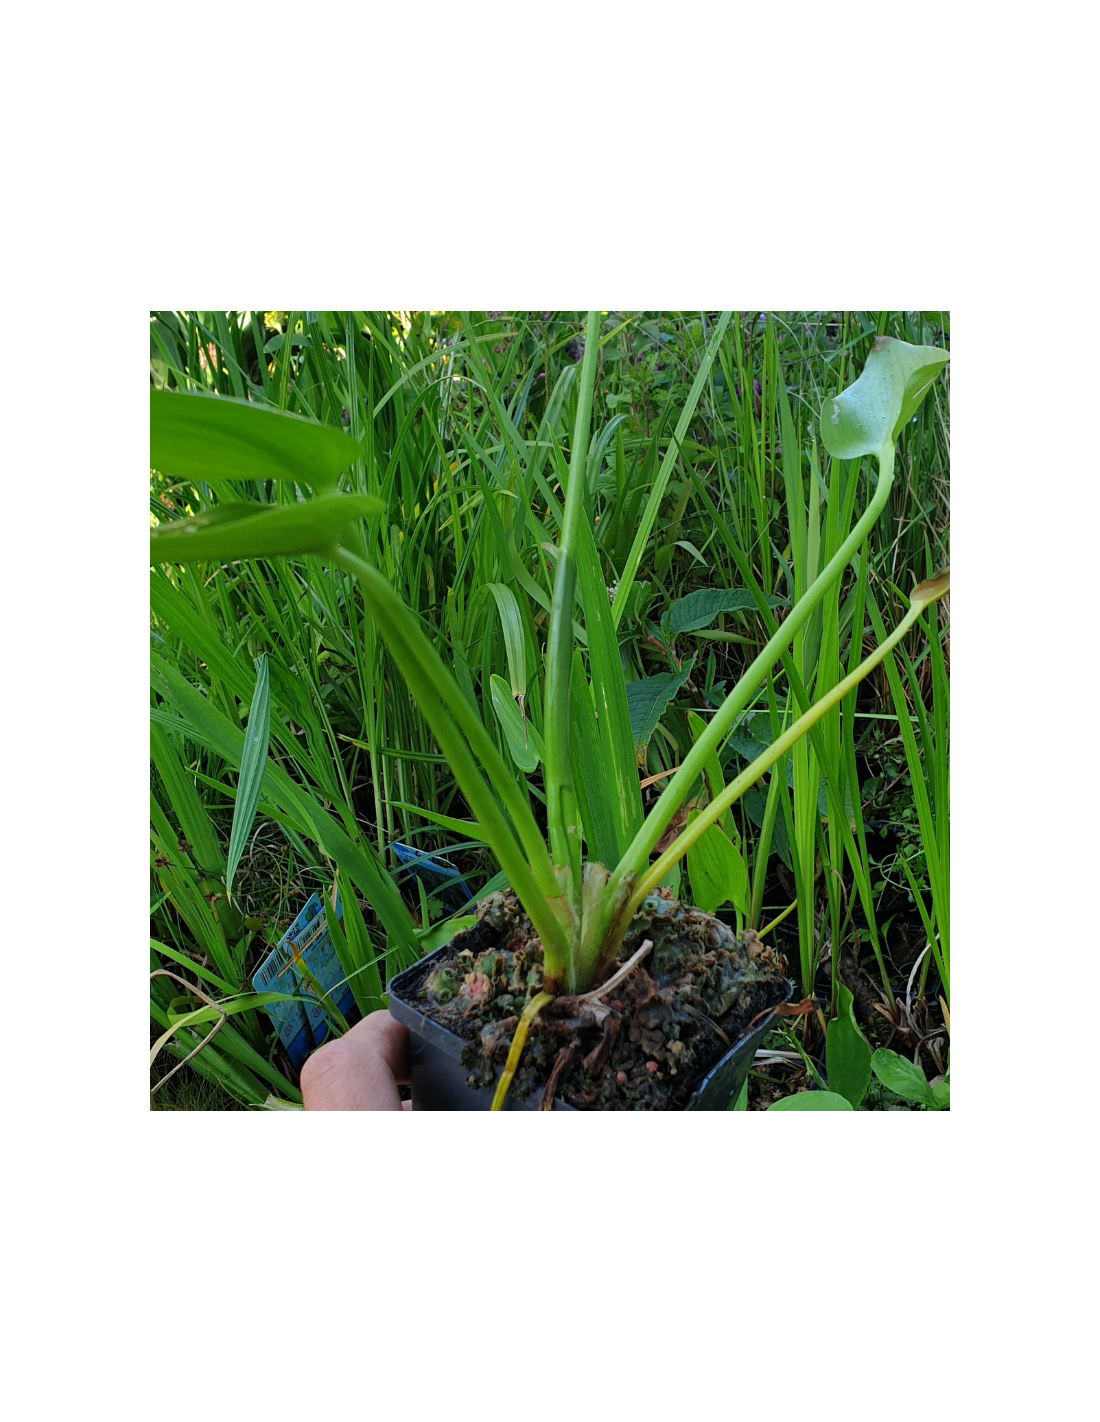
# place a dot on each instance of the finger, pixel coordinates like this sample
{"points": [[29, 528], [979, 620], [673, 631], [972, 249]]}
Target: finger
{"points": [[356, 1072], [387, 1037]]}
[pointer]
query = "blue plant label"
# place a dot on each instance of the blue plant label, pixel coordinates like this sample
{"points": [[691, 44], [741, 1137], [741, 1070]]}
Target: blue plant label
{"points": [[437, 875], [276, 974], [304, 1024]]}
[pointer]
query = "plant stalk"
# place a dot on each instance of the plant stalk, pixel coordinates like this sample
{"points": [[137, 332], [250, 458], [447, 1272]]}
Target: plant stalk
{"points": [[659, 818], [736, 788], [562, 818]]}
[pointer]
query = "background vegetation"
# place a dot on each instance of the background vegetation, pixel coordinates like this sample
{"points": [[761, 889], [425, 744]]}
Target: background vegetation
{"points": [[466, 419]]}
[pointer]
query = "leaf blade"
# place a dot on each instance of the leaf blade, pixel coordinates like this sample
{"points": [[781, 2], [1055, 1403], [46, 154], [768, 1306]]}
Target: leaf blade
{"points": [[847, 1052], [253, 762], [210, 438]]}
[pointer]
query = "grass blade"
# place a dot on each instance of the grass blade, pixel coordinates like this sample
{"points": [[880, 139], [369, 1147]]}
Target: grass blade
{"points": [[253, 761], [657, 493]]}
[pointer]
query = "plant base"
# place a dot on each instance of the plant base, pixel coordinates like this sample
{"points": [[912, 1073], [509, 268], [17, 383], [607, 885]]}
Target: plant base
{"points": [[678, 1033]]}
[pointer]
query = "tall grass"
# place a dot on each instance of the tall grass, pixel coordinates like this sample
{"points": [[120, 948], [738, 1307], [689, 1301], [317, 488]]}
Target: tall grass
{"points": [[466, 424]]}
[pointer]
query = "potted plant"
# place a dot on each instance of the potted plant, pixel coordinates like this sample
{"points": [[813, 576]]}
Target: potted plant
{"points": [[624, 998]]}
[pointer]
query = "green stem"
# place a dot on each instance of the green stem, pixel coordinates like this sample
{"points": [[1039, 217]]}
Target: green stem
{"points": [[562, 819], [659, 818], [736, 788]]}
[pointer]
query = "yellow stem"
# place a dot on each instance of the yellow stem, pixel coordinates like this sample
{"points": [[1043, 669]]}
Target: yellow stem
{"points": [[530, 1012], [776, 921]]}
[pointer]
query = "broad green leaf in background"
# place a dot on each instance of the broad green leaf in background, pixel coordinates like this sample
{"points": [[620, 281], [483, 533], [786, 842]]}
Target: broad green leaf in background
{"points": [[872, 411], [648, 697], [212, 437], [903, 1078], [717, 872], [253, 764], [524, 742], [260, 530], [700, 608], [813, 1101], [847, 1051]]}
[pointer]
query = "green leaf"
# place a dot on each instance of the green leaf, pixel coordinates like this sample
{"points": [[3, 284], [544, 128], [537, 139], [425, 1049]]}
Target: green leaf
{"points": [[712, 768], [609, 698], [699, 609], [163, 950], [362, 970], [756, 807], [441, 933], [260, 530], [872, 411], [717, 872], [941, 1093], [178, 879], [205, 723], [511, 623], [469, 829], [813, 1101], [648, 697], [847, 1051], [902, 1077], [206, 851], [664, 473], [212, 437], [593, 776], [253, 764], [524, 742]]}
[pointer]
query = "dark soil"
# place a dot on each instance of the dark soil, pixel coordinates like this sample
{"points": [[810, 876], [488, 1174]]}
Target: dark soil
{"points": [[642, 1047]]}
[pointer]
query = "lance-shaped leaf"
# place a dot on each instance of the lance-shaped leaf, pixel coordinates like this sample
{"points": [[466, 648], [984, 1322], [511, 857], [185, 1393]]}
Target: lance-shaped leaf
{"points": [[647, 697], [203, 722], [847, 1051], [260, 530], [903, 1077], [717, 872], [871, 412], [515, 647], [253, 764], [524, 742], [212, 437], [700, 608]]}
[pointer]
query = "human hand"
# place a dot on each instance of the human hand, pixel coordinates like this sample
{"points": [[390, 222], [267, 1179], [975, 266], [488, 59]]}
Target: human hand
{"points": [[360, 1071]]}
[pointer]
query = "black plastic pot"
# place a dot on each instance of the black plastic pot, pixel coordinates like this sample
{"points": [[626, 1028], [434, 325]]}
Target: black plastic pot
{"points": [[439, 1079]]}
